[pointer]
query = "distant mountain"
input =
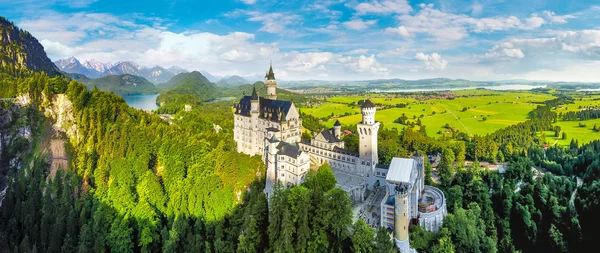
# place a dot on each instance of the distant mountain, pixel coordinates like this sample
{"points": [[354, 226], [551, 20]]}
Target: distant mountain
{"points": [[95, 69], [124, 67], [210, 77], [21, 51], [232, 81], [177, 70], [100, 67], [72, 65], [156, 74], [124, 84]]}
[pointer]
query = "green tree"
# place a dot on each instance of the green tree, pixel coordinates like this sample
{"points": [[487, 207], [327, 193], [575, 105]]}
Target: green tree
{"points": [[362, 238], [383, 242]]}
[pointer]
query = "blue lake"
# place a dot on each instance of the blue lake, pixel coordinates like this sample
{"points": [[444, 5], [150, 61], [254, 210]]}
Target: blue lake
{"points": [[144, 102]]}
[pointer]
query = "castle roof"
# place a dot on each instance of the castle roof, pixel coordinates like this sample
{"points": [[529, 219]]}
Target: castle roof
{"points": [[401, 171], [289, 149], [254, 95], [328, 136], [270, 75], [269, 109], [337, 123], [367, 104]]}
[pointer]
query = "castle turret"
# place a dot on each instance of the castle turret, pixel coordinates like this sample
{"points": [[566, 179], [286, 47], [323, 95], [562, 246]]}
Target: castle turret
{"points": [[367, 130], [271, 84], [401, 218], [337, 129]]}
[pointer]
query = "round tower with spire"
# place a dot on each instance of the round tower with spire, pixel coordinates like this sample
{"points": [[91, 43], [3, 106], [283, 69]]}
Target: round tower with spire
{"points": [[270, 83]]}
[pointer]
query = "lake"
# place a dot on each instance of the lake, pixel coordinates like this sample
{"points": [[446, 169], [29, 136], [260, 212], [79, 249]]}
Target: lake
{"points": [[144, 102]]}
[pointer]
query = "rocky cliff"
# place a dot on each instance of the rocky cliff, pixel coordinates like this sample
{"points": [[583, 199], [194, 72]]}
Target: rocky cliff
{"points": [[19, 51]]}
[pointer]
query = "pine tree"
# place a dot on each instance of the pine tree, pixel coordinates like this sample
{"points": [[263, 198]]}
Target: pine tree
{"points": [[362, 238]]}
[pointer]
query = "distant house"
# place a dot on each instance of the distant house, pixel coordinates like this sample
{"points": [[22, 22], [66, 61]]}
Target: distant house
{"points": [[347, 132]]}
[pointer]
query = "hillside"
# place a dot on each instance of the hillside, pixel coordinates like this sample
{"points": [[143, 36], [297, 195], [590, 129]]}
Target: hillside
{"points": [[188, 88], [124, 84], [20, 51], [261, 89], [232, 81]]}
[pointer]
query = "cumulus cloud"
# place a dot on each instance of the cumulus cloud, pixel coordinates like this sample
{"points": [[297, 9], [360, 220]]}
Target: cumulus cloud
{"points": [[364, 64], [400, 30], [447, 26], [307, 62], [555, 19], [504, 52], [585, 43], [383, 7], [359, 24], [432, 61]]}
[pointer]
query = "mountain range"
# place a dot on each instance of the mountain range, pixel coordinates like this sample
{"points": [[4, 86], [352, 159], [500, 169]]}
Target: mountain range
{"points": [[123, 84], [96, 69]]}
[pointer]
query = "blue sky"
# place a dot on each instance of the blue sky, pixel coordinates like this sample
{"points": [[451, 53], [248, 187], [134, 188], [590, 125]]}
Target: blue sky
{"points": [[328, 39]]}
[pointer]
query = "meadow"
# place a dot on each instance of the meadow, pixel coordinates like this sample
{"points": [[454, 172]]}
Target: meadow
{"points": [[486, 111], [474, 112]]}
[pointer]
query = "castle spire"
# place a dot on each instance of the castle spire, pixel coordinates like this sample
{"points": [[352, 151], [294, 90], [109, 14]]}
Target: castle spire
{"points": [[254, 95], [271, 75]]}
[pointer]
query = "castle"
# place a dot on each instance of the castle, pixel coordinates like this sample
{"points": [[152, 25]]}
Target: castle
{"points": [[272, 129]]}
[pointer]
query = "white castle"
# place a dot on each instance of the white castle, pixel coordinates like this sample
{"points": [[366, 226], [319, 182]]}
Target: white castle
{"points": [[272, 129]]}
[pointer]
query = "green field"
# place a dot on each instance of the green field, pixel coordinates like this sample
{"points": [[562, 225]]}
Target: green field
{"points": [[574, 131], [327, 108], [500, 109]]}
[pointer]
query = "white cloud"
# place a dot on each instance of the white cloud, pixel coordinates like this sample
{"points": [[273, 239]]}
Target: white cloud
{"points": [[358, 51], [504, 52], [307, 62], [250, 2], [446, 26], [432, 61], [383, 7], [584, 43], [555, 19], [392, 53], [359, 24], [400, 30], [476, 9], [364, 64], [272, 22]]}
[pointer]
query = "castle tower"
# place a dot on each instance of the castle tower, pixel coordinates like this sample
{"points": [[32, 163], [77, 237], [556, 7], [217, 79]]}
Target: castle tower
{"points": [[337, 129], [271, 84], [401, 218], [367, 130], [270, 159]]}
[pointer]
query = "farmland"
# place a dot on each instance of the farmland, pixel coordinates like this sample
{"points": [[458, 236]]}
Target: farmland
{"points": [[473, 112]]}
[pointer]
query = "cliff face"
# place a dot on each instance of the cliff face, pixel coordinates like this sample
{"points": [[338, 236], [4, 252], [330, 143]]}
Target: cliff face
{"points": [[15, 139], [19, 50], [60, 111]]}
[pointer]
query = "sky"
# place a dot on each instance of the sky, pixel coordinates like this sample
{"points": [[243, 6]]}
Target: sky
{"points": [[327, 39]]}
